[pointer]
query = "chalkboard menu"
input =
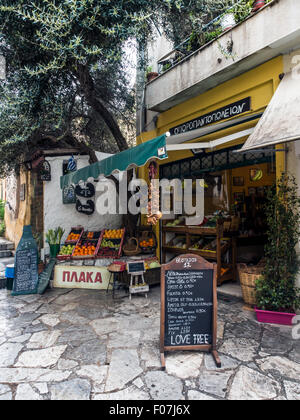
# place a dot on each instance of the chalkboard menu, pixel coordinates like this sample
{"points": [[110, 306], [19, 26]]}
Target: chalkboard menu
{"points": [[188, 306], [136, 267], [26, 265]]}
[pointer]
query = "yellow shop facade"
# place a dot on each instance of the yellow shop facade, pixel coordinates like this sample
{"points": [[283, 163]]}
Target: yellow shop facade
{"points": [[236, 182]]}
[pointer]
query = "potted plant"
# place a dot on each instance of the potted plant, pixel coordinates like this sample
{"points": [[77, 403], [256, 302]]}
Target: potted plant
{"points": [[258, 4], [277, 296], [150, 75], [53, 237], [227, 21]]}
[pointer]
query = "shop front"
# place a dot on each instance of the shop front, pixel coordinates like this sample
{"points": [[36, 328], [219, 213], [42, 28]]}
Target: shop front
{"points": [[207, 134], [92, 258]]}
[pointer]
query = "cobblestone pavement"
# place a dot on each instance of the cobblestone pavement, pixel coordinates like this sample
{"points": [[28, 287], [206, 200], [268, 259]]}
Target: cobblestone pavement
{"points": [[82, 345]]}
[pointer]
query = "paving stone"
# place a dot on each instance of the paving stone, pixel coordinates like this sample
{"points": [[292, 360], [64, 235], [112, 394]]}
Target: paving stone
{"points": [[130, 393], [273, 343], [66, 364], [104, 326], [199, 396], [41, 358], [26, 392], [292, 390], [138, 383], [151, 356], [50, 320], [95, 373], [246, 329], [8, 353], [184, 365], [78, 334], [226, 362], [5, 392], [249, 384], [124, 367], [214, 382], [21, 375], [129, 338], [20, 338], [90, 352], [162, 386], [280, 366], [41, 387], [73, 318], [241, 348], [43, 339], [74, 389]]}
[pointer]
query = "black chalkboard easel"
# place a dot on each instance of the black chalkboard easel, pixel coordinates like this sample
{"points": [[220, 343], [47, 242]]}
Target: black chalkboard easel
{"points": [[188, 306]]}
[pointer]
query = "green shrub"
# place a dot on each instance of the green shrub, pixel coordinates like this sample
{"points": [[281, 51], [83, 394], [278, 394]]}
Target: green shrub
{"points": [[2, 228], [276, 290], [2, 209]]}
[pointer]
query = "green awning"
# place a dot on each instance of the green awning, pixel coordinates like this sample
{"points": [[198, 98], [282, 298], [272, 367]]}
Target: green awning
{"points": [[134, 157]]}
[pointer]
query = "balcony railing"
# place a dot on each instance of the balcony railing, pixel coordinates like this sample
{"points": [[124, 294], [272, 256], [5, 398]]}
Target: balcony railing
{"points": [[233, 16]]}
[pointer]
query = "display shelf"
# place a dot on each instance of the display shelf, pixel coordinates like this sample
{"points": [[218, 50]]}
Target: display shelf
{"points": [[214, 255], [76, 230], [86, 238], [107, 252]]}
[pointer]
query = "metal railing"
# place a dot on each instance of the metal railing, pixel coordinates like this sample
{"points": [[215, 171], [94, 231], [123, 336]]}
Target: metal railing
{"points": [[213, 28]]}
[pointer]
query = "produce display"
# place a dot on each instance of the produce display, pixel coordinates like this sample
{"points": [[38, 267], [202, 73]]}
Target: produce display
{"points": [[151, 263], [111, 243], [66, 250], [176, 222], [86, 247], [74, 235], [85, 250], [113, 233], [147, 243], [106, 243]]}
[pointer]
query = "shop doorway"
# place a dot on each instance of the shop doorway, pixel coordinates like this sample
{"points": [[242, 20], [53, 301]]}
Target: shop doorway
{"points": [[235, 193]]}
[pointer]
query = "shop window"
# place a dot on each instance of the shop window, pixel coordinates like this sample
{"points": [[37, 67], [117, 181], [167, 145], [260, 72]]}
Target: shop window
{"points": [[195, 165]]}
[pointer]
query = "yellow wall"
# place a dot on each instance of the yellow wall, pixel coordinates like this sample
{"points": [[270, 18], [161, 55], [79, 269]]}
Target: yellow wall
{"points": [[259, 83], [14, 225]]}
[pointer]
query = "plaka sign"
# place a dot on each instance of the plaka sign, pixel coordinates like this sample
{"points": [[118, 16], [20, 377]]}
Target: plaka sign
{"points": [[228, 111]]}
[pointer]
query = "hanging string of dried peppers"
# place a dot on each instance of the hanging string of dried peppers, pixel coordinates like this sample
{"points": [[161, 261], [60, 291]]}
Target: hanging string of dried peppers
{"points": [[153, 212]]}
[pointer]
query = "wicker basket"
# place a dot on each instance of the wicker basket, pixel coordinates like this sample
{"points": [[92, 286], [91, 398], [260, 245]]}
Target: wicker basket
{"points": [[248, 276], [131, 247]]}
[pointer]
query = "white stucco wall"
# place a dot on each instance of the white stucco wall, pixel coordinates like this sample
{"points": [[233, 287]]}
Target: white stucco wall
{"points": [[65, 215]]}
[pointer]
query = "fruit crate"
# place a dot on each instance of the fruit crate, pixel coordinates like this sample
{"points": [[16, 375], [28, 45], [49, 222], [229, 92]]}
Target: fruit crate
{"points": [[64, 257], [107, 252], [87, 239], [78, 230]]}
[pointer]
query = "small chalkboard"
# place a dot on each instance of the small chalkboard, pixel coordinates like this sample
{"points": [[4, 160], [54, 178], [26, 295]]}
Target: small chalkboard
{"points": [[188, 306], [136, 267], [26, 265]]}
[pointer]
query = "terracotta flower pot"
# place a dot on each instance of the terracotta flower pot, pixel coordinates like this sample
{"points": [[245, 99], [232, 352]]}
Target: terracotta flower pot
{"points": [[151, 76], [258, 4], [271, 317]]}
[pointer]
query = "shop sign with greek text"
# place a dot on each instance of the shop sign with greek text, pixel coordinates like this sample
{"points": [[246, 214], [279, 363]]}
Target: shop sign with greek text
{"points": [[80, 277], [228, 111]]}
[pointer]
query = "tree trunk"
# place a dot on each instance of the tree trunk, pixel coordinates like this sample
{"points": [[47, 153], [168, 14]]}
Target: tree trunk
{"points": [[87, 85]]}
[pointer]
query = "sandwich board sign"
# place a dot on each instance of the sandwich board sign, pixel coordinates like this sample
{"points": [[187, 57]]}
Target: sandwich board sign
{"points": [[188, 306]]}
